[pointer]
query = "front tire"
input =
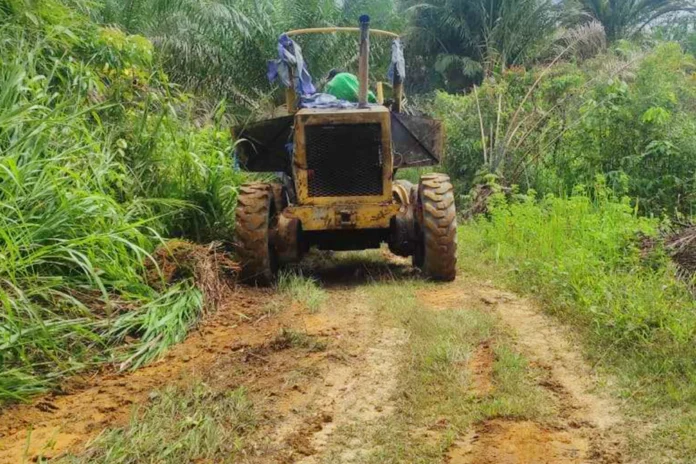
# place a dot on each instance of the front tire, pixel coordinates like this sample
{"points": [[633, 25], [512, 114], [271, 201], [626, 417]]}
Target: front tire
{"points": [[255, 214], [436, 251]]}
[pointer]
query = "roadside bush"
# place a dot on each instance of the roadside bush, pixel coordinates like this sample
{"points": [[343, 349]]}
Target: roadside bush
{"points": [[626, 114], [99, 160], [581, 256]]}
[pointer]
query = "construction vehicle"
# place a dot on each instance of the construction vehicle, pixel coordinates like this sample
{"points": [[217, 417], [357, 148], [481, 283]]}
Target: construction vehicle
{"points": [[337, 187]]}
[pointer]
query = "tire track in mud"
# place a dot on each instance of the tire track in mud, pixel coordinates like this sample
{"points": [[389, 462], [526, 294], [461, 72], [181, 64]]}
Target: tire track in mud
{"points": [[587, 426], [353, 386], [357, 392], [304, 399], [360, 396], [301, 396]]}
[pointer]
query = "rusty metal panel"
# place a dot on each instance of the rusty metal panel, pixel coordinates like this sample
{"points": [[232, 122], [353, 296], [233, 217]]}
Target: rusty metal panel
{"points": [[344, 217], [261, 146], [416, 140]]}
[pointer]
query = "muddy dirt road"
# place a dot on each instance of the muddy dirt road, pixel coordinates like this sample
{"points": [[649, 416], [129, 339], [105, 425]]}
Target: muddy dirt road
{"points": [[362, 384]]}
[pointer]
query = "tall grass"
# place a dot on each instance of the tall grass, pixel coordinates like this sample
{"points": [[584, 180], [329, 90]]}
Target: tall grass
{"points": [[97, 165], [297, 288]]}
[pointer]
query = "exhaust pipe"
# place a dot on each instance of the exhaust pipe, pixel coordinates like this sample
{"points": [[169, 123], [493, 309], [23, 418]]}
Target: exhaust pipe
{"points": [[364, 64]]}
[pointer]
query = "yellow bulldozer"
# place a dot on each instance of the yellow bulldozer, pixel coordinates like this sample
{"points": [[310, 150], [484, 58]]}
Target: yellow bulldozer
{"points": [[336, 162]]}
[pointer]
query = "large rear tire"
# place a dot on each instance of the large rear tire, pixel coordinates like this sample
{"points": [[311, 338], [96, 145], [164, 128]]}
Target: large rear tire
{"points": [[436, 250], [254, 218]]}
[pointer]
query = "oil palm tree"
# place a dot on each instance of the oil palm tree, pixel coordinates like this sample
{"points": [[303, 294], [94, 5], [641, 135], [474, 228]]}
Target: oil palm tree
{"points": [[623, 18], [462, 40], [220, 47]]}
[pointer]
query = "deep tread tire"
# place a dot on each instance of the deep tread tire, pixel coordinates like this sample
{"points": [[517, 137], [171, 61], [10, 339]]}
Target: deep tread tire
{"points": [[436, 253], [254, 215]]}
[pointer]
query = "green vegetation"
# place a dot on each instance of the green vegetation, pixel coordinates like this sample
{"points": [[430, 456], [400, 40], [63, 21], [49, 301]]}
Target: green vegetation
{"points": [[187, 424], [290, 338], [294, 287], [114, 138], [458, 42], [623, 18], [626, 114], [100, 160], [220, 48], [595, 263]]}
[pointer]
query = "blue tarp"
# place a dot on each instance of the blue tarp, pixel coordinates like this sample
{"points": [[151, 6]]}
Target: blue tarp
{"points": [[325, 100], [290, 58]]}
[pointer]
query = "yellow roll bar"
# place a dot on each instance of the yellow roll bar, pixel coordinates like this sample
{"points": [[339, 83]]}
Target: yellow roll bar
{"points": [[329, 30]]}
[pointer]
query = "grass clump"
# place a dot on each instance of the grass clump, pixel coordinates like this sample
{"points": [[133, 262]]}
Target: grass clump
{"points": [[581, 257], [297, 288], [289, 338], [184, 424]]}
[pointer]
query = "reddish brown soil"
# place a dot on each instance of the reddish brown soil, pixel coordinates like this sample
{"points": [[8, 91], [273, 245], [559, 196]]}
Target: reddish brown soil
{"points": [[587, 427], [508, 442], [87, 405], [481, 369], [304, 398], [298, 393]]}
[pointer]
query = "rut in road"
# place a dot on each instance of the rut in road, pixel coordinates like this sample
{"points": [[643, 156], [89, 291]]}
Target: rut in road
{"points": [[315, 406], [359, 394], [587, 427]]}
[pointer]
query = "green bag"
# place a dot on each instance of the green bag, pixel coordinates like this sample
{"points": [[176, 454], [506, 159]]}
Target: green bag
{"points": [[345, 86]]}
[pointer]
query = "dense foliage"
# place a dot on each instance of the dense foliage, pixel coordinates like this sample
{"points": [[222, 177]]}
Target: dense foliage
{"points": [[220, 48], [627, 113], [594, 262], [114, 135], [455, 43], [98, 163], [625, 18]]}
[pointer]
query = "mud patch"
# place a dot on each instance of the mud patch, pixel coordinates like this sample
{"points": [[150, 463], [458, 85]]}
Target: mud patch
{"points": [[62, 421], [481, 369], [446, 296], [551, 348], [587, 419], [586, 426], [506, 442]]}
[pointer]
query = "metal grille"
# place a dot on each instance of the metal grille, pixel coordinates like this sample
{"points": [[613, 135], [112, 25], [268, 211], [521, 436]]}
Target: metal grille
{"points": [[344, 160]]}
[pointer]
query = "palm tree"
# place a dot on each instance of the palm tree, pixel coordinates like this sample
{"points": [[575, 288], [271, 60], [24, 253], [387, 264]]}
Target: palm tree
{"points": [[624, 18], [220, 47], [462, 40]]}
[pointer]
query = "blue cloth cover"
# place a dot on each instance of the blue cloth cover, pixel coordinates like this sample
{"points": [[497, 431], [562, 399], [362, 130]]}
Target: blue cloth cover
{"points": [[290, 57]]}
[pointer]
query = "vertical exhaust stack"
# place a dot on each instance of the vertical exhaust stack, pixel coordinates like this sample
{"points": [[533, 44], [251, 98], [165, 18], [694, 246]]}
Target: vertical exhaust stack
{"points": [[364, 65]]}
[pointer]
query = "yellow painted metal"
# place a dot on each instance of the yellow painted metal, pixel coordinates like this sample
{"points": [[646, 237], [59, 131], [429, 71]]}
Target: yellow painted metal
{"points": [[329, 30], [380, 93], [308, 117], [345, 216], [398, 96], [291, 96], [290, 100]]}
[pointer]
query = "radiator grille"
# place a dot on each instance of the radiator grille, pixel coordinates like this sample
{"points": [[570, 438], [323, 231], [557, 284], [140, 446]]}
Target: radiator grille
{"points": [[344, 160]]}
